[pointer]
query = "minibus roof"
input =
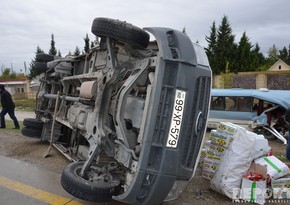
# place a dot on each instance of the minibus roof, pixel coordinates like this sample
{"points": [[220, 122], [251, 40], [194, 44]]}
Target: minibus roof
{"points": [[279, 97]]}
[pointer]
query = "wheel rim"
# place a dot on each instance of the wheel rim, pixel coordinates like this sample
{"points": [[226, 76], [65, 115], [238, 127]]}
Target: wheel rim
{"points": [[95, 174]]}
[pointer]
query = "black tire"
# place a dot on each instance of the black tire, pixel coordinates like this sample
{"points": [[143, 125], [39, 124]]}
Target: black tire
{"points": [[43, 57], [28, 132], [101, 191], [33, 123], [40, 67], [122, 31], [268, 135]]}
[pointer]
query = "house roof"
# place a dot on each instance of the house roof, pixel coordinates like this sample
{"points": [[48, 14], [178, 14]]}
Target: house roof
{"points": [[20, 81], [279, 65]]}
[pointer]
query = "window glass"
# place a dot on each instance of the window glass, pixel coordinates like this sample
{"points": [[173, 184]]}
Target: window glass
{"points": [[217, 103], [245, 104], [231, 103]]}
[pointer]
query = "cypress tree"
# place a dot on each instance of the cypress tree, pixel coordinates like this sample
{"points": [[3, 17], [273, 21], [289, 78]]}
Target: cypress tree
{"points": [[33, 71], [52, 50], [87, 44], [226, 48], [258, 58], [243, 54], [211, 48], [283, 54], [77, 51]]}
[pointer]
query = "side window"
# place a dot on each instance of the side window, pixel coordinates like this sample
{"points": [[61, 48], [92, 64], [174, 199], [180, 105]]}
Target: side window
{"points": [[217, 103], [231, 103], [245, 104]]}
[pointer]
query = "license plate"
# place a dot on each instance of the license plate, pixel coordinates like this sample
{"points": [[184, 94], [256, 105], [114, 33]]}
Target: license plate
{"points": [[176, 119]]}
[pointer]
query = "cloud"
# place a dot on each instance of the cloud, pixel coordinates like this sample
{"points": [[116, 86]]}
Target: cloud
{"points": [[24, 25]]}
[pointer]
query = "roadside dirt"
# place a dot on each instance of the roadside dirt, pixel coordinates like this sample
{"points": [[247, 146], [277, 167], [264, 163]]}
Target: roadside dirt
{"points": [[14, 145]]}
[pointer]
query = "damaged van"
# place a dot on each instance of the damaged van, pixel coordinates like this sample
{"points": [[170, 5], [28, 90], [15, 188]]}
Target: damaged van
{"points": [[131, 113], [261, 111]]}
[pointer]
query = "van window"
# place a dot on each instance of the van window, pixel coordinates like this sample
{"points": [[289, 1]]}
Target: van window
{"points": [[244, 104], [217, 103], [231, 103]]}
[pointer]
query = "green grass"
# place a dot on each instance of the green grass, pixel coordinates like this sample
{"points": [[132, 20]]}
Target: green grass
{"points": [[25, 104], [281, 157], [10, 125]]}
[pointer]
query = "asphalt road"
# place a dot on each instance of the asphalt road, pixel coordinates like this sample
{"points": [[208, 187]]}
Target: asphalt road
{"points": [[31, 185]]}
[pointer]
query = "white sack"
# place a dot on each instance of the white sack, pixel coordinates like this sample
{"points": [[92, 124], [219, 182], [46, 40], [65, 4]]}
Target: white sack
{"points": [[235, 163]]}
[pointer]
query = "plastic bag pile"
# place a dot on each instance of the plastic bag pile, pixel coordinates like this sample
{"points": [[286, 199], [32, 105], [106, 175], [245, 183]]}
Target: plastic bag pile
{"points": [[238, 164]]}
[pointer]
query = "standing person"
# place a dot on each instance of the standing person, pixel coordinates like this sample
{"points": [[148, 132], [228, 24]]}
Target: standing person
{"points": [[287, 120], [8, 106]]}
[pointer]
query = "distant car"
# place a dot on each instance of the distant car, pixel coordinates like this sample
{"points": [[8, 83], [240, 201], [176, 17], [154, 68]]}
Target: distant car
{"points": [[259, 110], [131, 113]]}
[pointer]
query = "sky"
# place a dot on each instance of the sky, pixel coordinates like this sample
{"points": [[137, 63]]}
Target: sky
{"points": [[26, 24]]}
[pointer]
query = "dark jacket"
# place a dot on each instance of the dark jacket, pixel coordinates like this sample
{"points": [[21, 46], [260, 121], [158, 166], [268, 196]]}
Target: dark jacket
{"points": [[6, 100]]}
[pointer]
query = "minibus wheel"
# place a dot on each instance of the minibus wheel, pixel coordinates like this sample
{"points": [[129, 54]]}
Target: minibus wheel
{"points": [[96, 186], [120, 30]]}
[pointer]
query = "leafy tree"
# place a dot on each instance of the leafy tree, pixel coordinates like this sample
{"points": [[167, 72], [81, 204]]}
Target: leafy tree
{"points": [[227, 77], [20, 75], [13, 75], [7, 74], [87, 44], [273, 54], [271, 59], [52, 50], [77, 51], [225, 49], [211, 48]]}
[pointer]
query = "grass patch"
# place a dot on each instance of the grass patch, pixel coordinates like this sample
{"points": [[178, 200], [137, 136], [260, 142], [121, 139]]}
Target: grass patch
{"points": [[10, 126], [25, 104], [281, 157]]}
